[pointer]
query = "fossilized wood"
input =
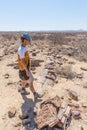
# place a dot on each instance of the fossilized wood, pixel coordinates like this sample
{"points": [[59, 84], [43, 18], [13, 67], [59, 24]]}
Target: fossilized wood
{"points": [[56, 101]]}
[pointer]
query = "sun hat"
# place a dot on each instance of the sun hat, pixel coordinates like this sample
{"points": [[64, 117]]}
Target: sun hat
{"points": [[26, 36]]}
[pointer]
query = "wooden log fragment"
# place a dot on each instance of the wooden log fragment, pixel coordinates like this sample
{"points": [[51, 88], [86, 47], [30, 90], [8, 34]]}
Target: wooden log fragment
{"points": [[61, 113], [53, 123], [67, 112]]}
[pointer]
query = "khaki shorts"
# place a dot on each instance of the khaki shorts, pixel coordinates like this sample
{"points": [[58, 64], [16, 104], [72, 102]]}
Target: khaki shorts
{"points": [[23, 76]]}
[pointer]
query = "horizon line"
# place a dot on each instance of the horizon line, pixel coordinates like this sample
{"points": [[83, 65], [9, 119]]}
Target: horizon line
{"points": [[66, 30]]}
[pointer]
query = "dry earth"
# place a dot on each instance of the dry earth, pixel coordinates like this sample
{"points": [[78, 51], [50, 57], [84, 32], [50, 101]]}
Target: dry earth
{"points": [[65, 54]]}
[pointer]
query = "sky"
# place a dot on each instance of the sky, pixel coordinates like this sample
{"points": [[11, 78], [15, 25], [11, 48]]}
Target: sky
{"points": [[42, 15]]}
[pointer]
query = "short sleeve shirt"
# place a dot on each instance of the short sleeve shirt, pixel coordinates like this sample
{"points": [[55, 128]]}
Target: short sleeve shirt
{"points": [[23, 54]]}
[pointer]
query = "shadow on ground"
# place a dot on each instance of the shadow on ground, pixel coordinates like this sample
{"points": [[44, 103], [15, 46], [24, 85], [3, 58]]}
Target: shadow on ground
{"points": [[27, 109]]}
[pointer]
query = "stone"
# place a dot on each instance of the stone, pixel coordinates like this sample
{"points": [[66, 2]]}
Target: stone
{"points": [[76, 114], [6, 76], [34, 54], [26, 121], [51, 77], [12, 112], [17, 124], [24, 115], [85, 69], [83, 127], [73, 103], [84, 104], [73, 94]]}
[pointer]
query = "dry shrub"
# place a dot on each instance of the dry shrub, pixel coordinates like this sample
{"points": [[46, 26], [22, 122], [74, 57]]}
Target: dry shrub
{"points": [[57, 38], [38, 36], [10, 36], [66, 72], [82, 57]]}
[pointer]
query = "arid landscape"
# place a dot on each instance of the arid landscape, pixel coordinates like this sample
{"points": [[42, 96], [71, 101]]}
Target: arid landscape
{"points": [[59, 66]]}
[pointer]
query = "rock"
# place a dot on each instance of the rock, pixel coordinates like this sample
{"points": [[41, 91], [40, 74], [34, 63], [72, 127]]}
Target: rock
{"points": [[33, 54], [59, 56], [49, 82], [85, 86], [52, 72], [12, 112], [35, 113], [73, 94], [85, 69], [17, 124], [62, 97], [84, 104], [36, 62], [73, 104], [71, 62], [51, 77], [6, 76], [83, 127], [76, 114], [26, 121], [56, 81], [49, 66], [24, 115]]}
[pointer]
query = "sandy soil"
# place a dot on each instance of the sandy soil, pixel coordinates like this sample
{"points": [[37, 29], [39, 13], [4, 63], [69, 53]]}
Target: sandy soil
{"points": [[9, 83]]}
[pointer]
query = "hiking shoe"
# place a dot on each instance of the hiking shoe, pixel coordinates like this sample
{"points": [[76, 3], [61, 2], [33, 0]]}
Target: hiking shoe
{"points": [[20, 88], [23, 91], [36, 95]]}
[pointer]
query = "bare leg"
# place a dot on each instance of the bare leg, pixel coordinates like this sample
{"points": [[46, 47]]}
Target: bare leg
{"points": [[24, 83], [22, 89], [36, 95], [31, 87]]}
